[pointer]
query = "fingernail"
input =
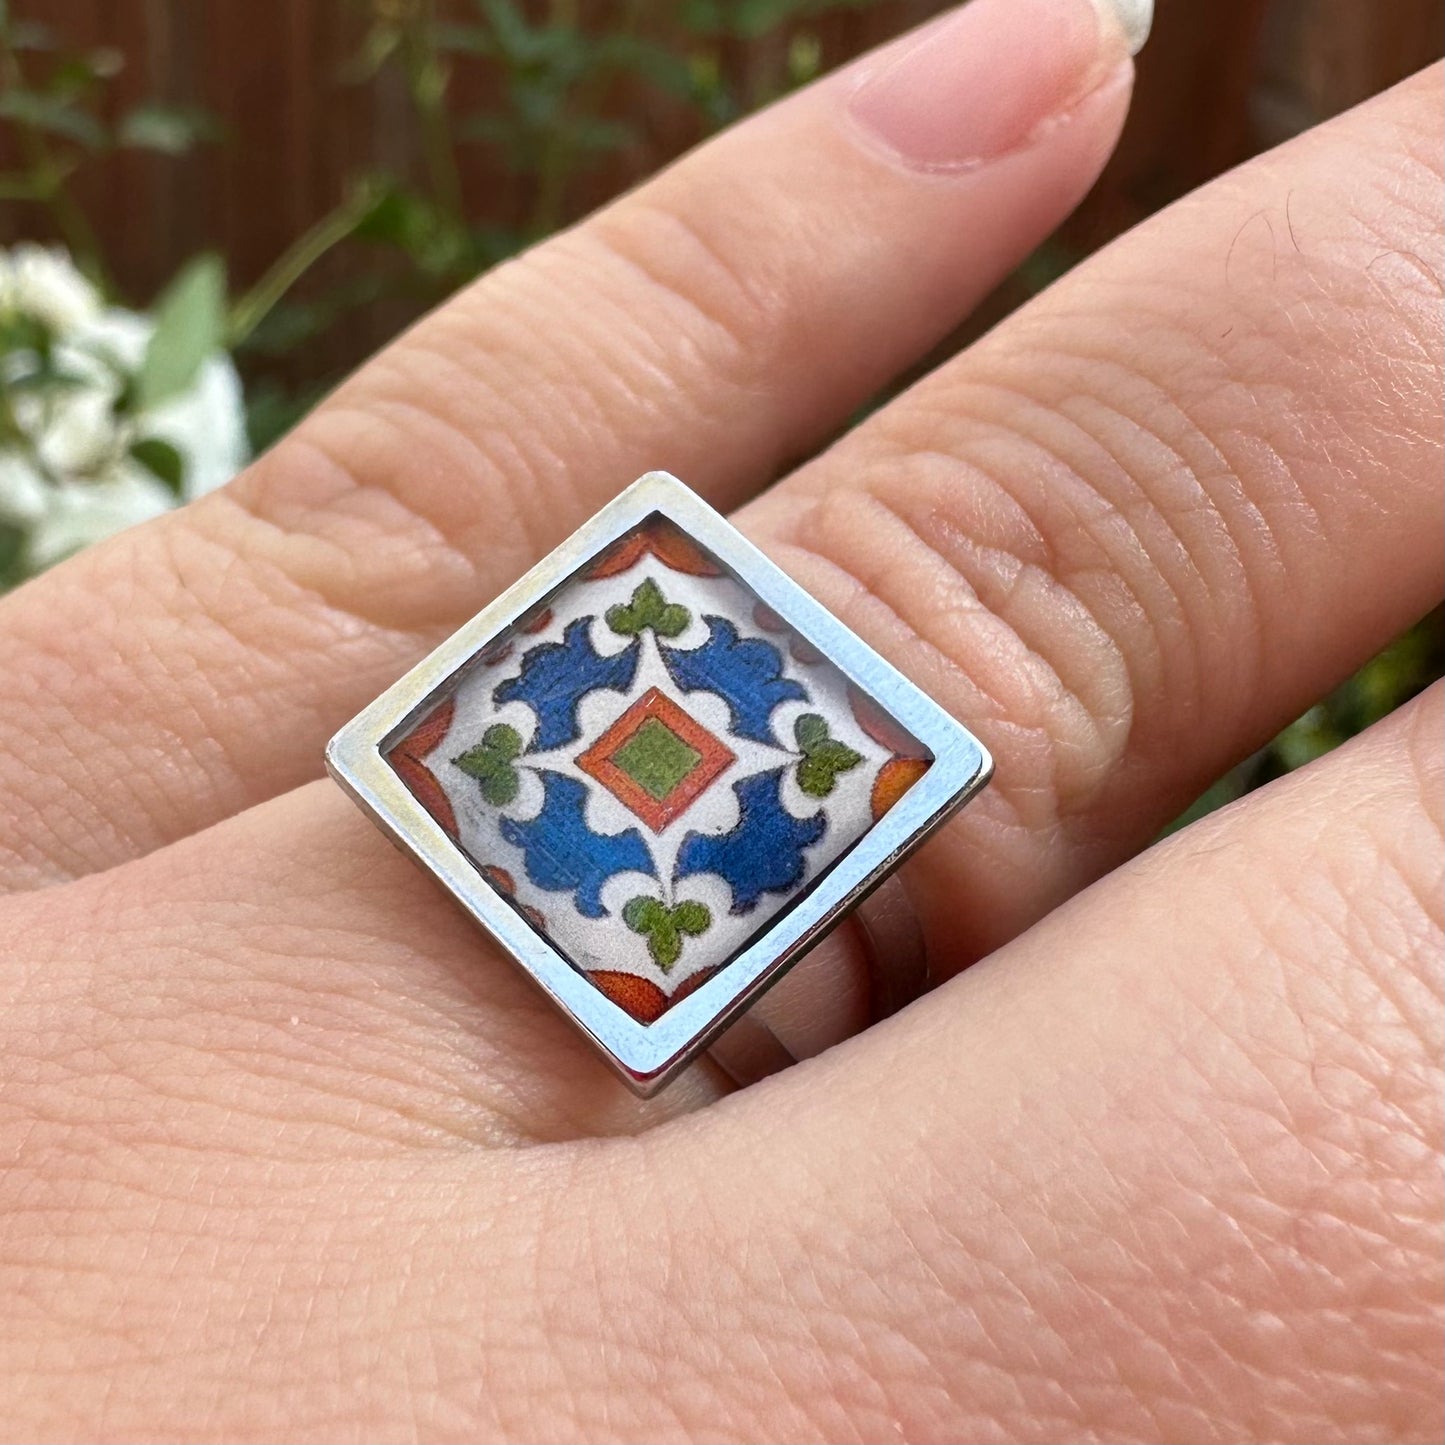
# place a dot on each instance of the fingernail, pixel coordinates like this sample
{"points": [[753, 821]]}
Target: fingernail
{"points": [[1136, 20], [986, 79]]}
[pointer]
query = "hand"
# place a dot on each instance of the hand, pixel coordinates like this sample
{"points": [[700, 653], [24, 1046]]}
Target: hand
{"points": [[290, 1153]]}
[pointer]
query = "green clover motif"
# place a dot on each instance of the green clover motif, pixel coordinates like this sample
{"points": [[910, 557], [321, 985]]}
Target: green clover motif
{"points": [[824, 757], [491, 763], [648, 608], [665, 928]]}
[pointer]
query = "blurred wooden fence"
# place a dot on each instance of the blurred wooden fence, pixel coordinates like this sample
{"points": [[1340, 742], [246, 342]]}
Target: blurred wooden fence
{"points": [[1220, 80]]}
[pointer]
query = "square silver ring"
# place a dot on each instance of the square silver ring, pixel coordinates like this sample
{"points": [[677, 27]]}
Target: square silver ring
{"points": [[655, 771]]}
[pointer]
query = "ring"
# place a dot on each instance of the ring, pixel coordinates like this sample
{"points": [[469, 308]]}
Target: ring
{"points": [[895, 961], [656, 771]]}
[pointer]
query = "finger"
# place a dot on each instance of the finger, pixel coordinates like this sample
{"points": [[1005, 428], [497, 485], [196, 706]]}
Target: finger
{"points": [[291, 962], [716, 322], [1167, 1168], [1124, 665], [1152, 518]]}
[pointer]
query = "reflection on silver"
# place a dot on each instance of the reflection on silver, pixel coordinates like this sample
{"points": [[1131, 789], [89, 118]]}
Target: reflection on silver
{"points": [[647, 1056]]}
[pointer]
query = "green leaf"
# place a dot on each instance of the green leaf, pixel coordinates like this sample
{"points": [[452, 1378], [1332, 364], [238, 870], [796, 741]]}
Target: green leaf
{"points": [[824, 757], [837, 755], [13, 545], [163, 462], [498, 781], [642, 915], [53, 114], [810, 730], [432, 241], [190, 324], [648, 608], [503, 740], [170, 129], [664, 927], [815, 778], [490, 763], [692, 918]]}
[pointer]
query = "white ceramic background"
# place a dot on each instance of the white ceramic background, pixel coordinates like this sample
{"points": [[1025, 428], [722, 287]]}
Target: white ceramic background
{"points": [[607, 942]]}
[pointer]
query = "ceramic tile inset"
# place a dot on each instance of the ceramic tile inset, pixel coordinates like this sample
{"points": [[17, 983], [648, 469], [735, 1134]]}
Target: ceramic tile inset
{"points": [[654, 767]]}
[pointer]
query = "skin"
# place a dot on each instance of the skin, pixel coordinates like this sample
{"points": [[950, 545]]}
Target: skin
{"points": [[291, 1153]]}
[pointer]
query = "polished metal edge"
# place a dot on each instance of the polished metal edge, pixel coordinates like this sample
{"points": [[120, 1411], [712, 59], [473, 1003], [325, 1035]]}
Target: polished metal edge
{"points": [[648, 1056]]}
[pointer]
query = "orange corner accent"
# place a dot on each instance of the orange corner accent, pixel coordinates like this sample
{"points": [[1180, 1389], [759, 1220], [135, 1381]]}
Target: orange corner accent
{"points": [[894, 779], [617, 558], [428, 734], [424, 788], [679, 551], [670, 546], [691, 985], [639, 997], [407, 760]]}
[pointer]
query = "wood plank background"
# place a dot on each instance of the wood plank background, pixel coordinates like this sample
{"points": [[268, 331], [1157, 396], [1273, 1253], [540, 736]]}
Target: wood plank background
{"points": [[1220, 80]]}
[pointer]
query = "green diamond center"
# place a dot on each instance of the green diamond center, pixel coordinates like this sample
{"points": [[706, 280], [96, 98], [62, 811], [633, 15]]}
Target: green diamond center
{"points": [[656, 759]]}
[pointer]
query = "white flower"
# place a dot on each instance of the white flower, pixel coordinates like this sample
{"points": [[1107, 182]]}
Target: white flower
{"points": [[79, 513], [43, 282], [74, 430], [206, 423], [71, 479], [23, 499]]}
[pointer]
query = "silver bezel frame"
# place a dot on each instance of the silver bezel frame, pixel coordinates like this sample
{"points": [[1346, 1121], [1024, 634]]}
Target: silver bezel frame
{"points": [[648, 1056]]}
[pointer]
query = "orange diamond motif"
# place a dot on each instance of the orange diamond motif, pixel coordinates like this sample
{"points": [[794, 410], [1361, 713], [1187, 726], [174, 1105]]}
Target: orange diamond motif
{"points": [[656, 759]]}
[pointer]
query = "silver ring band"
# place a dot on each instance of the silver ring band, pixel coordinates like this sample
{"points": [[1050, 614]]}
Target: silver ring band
{"points": [[895, 959]]}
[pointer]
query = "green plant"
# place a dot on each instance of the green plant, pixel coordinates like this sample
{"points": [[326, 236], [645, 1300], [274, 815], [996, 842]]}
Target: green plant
{"points": [[555, 121], [1402, 671], [98, 423], [53, 100]]}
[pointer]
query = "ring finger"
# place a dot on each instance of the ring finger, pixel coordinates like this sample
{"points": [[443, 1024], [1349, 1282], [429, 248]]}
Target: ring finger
{"points": [[1124, 569]]}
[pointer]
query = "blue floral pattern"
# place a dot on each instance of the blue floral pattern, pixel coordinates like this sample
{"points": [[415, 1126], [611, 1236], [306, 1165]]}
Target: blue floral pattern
{"points": [[677, 769], [747, 673], [765, 853], [563, 855]]}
